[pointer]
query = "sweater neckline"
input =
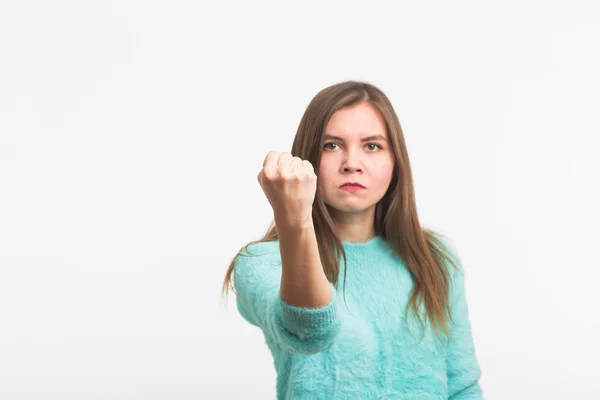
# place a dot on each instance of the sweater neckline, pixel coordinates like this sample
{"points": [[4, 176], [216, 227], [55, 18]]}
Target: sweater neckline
{"points": [[365, 244], [370, 249]]}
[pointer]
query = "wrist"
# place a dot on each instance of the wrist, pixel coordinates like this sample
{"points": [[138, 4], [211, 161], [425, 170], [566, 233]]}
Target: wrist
{"points": [[293, 223]]}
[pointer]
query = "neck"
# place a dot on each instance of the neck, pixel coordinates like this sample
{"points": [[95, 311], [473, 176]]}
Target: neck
{"points": [[354, 227], [358, 237]]}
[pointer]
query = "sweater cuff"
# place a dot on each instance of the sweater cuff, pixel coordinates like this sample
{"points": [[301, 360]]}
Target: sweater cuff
{"points": [[306, 322]]}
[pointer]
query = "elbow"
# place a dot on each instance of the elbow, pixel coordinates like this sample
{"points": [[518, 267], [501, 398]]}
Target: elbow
{"points": [[309, 344], [472, 392], [307, 331], [466, 386]]}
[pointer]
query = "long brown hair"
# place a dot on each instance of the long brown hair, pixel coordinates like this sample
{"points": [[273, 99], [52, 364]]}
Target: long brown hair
{"points": [[423, 250]]}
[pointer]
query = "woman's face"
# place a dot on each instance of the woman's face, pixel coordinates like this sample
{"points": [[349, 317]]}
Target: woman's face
{"points": [[351, 157]]}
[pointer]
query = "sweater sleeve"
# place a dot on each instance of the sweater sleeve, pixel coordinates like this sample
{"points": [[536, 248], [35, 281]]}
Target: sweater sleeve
{"points": [[462, 368], [257, 281]]}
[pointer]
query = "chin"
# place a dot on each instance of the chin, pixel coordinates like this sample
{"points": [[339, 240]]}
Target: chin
{"points": [[348, 207]]}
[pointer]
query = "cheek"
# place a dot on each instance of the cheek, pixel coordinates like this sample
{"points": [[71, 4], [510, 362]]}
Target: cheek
{"points": [[324, 169], [384, 169], [383, 175]]}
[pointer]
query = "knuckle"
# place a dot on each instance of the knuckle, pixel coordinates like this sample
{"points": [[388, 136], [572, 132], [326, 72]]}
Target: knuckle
{"points": [[271, 157], [286, 174], [269, 175], [270, 154]]}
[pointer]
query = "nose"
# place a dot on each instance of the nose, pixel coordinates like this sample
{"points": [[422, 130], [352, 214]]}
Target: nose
{"points": [[351, 163]]}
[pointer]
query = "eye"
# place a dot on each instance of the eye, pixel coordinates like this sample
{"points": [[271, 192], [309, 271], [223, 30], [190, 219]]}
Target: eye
{"points": [[374, 144], [369, 144]]}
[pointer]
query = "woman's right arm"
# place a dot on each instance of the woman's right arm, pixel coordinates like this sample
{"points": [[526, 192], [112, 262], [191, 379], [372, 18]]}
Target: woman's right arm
{"points": [[292, 301]]}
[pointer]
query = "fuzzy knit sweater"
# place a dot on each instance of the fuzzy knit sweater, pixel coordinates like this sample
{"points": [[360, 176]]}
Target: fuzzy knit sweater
{"points": [[358, 347]]}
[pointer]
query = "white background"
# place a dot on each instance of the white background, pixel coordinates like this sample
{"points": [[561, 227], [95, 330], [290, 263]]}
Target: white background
{"points": [[131, 135]]}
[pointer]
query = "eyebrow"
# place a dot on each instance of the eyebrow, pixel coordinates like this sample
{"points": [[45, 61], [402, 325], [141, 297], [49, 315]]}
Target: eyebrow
{"points": [[365, 139]]}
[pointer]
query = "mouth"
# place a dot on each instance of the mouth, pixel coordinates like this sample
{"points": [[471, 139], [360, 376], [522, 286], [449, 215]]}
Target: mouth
{"points": [[352, 185], [352, 188]]}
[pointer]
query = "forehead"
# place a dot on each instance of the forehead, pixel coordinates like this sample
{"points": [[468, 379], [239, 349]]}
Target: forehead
{"points": [[359, 120]]}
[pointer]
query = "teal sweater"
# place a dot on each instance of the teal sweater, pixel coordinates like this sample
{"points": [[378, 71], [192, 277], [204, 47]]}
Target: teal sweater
{"points": [[357, 347]]}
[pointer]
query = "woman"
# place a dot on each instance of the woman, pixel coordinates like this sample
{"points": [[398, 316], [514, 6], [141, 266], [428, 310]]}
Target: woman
{"points": [[346, 191]]}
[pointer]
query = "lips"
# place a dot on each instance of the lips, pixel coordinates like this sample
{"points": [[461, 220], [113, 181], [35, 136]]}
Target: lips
{"points": [[352, 184]]}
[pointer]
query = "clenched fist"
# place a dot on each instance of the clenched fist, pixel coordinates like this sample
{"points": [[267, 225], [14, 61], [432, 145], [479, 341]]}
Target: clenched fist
{"points": [[290, 184]]}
